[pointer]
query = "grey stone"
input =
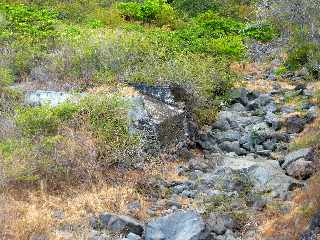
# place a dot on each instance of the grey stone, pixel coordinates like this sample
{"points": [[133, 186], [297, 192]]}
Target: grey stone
{"points": [[180, 188], [219, 223], [300, 169], [260, 132], [117, 223], [246, 142], [237, 107], [262, 101], [229, 135], [133, 207], [295, 124], [305, 153], [39, 237], [287, 109], [95, 235], [270, 108], [308, 92], [259, 204], [232, 147], [270, 144], [132, 236], [38, 97], [313, 229], [273, 121], [221, 124], [239, 95], [311, 114], [265, 175], [189, 194], [162, 93], [181, 225], [207, 142]]}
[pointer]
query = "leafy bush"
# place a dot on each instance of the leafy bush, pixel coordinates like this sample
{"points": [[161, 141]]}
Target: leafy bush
{"points": [[6, 77], [193, 8], [259, 32], [107, 118], [147, 11], [239, 9], [38, 120], [300, 55], [302, 28], [69, 140], [26, 20], [8, 97], [210, 33]]}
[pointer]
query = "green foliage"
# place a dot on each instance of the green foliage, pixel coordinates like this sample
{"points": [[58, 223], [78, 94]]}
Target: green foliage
{"points": [[30, 21], [193, 8], [107, 118], [6, 77], [238, 9], [147, 11], [38, 120], [8, 97], [213, 34], [281, 70], [47, 152], [262, 33], [301, 54]]}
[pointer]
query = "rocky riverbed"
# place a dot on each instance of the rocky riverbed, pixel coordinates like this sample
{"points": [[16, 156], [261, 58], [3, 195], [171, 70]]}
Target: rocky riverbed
{"points": [[242, 163], [232, 169]]}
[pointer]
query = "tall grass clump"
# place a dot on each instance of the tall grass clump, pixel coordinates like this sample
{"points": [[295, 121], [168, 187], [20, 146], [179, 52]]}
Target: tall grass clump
{"points": [[68, 143]]}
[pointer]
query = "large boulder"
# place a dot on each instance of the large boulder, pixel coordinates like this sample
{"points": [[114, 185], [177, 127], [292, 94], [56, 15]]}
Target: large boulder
{"points": [[117, 223], [306, 153], [261, 174], [300, 169], [53, 98], [160, 124], [295, 124], [182, 225], [219, 223]]}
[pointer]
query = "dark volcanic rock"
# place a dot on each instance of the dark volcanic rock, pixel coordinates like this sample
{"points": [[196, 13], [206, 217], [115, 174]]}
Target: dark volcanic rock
{"points": [[295, 124], [300, 169], [232, 147], [117, 223]]}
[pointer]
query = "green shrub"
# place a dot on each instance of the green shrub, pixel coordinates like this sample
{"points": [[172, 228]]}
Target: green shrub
{"points": [[38, 120], [6, 77], [213, 34], [193, 8], [107, 118], [26, 20], [262, 33], [147, 11], [300, 55], [281, 70], [239, 9]]}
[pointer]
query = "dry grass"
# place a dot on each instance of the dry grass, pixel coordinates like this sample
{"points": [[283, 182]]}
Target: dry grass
{"points": [[290, 226], [25, 212]]}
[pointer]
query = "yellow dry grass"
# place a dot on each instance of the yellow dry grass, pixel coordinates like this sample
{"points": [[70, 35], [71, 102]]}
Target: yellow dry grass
{"points": [[28, 212], [290, 226]]}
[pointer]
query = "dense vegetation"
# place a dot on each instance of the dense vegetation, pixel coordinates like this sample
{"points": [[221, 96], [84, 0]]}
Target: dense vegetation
{"points": [[85, 44]]}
